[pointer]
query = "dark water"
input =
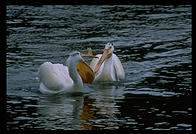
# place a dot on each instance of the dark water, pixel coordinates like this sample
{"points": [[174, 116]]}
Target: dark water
{"points": [[154, 44]]}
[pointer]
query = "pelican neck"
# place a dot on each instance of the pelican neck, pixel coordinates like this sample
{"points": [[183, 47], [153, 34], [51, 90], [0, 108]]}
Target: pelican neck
{"points": [[77, 81]]}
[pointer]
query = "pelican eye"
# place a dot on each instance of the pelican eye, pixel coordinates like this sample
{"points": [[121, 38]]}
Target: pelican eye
{"points": [[110, 44]]}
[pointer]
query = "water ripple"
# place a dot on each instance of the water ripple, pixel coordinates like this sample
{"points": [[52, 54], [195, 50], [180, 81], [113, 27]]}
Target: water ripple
{"points": [[153, 43]]}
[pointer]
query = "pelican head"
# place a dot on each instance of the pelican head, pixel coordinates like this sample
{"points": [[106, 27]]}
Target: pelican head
{"points": [[109, 48], [74, 58], [107, 53]]}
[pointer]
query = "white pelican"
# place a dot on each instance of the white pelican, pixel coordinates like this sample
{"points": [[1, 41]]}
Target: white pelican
{"points": [[57, 78], [107, 66]]}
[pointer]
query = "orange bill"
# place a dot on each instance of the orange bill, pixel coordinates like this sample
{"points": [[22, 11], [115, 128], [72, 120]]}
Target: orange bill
{"points": [[85, 72], [103, 57], [89, 54]]}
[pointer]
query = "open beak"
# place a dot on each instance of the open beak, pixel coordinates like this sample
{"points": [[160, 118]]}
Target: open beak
{"points": [[89, 54], [104, 56], [85, 72]]}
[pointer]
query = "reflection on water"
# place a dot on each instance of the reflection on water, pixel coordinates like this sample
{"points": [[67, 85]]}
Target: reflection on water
{"points": [[100, 110], [76, 112], [153, 43], [47, 112], [60, 110]]}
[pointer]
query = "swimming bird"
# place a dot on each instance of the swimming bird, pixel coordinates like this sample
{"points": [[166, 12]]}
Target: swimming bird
{"points": [[107, 66], [57, 78]]}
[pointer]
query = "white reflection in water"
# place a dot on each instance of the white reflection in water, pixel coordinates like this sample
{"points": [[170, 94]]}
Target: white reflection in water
{"points": [[81, 111], [61, 109]]}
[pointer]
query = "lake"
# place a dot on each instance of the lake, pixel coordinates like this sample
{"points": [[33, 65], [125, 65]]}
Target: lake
{"points": [[153, 42]]}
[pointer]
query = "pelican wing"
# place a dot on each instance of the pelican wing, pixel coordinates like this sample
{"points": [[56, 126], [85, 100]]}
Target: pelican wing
{"points": [[118, 68], [54, 76]]}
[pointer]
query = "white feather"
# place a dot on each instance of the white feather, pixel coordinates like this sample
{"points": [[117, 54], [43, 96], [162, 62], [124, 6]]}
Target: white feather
{"points": [[56, 78], [110, 70]]}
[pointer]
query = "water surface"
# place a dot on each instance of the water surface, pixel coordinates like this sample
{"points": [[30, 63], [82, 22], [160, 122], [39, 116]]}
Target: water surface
{"points": [[154, 44]]}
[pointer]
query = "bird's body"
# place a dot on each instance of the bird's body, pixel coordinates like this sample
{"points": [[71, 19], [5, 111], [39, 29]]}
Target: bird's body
{"points": [[57, 78], [107, 66]]}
